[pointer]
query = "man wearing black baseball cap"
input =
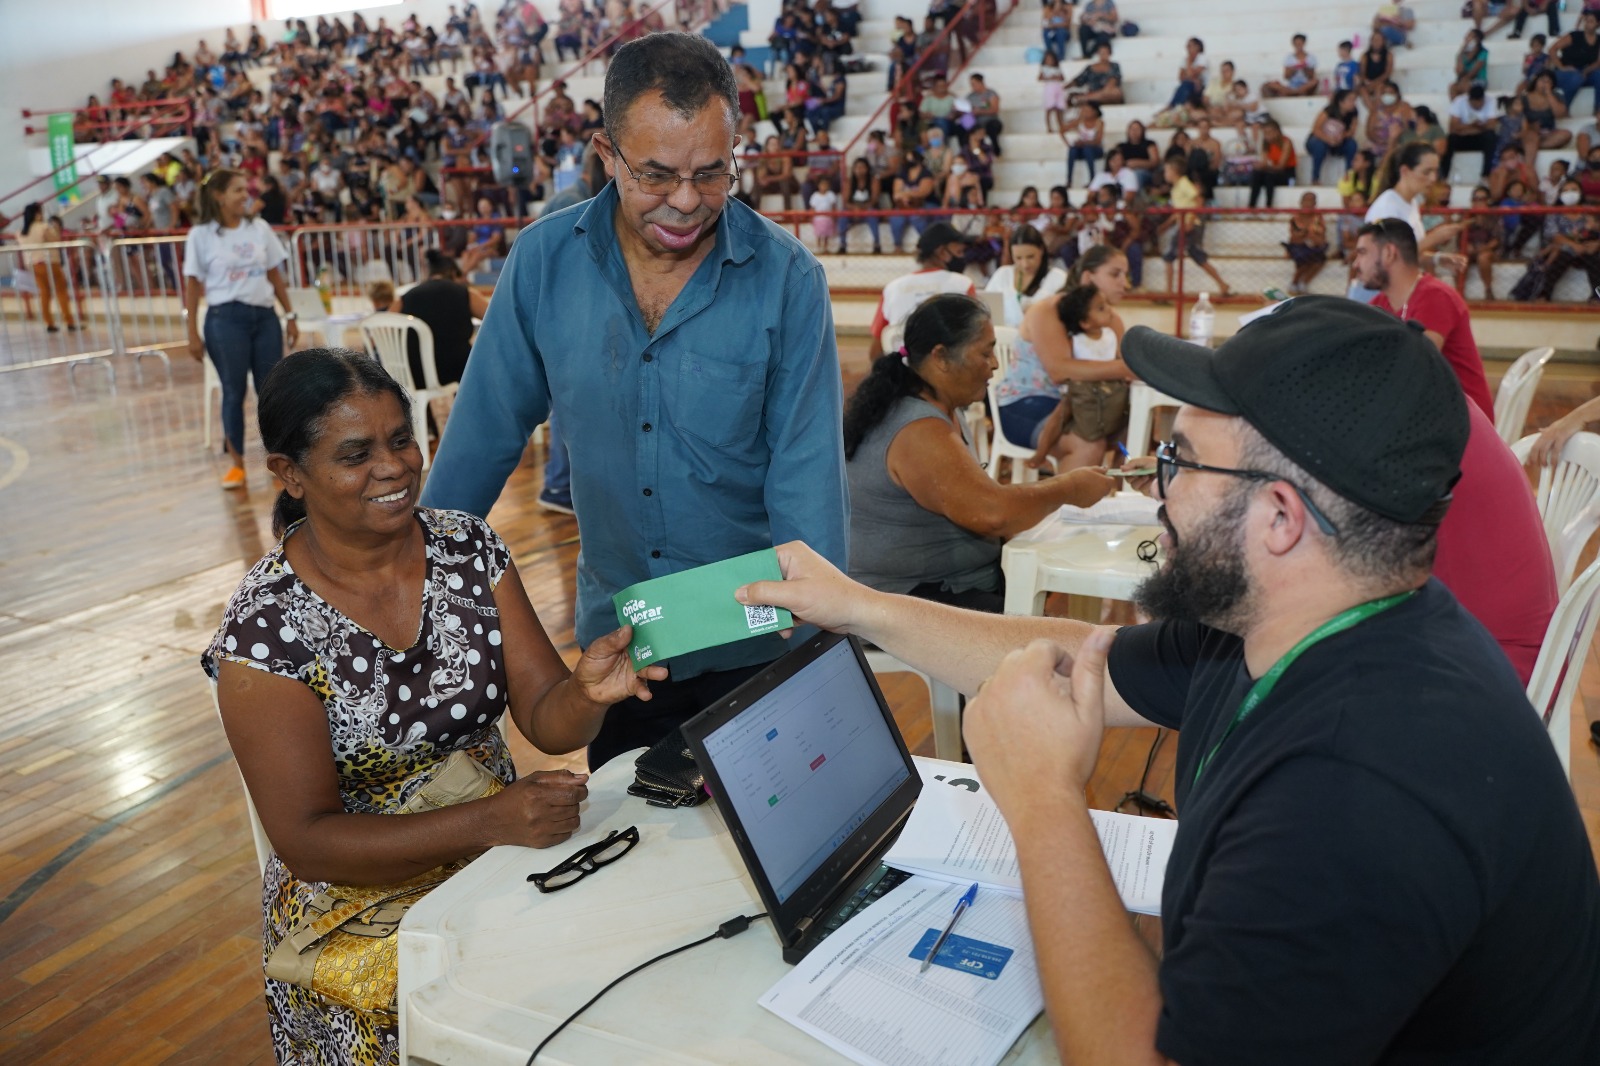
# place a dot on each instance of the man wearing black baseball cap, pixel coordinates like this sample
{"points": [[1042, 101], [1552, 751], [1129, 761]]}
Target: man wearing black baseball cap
{"points": [[940, 252], [1378, 857]]}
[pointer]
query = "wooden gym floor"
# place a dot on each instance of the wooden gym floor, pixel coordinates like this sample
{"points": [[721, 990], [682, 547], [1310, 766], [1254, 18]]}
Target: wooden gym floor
{"points": [[129, 898]]}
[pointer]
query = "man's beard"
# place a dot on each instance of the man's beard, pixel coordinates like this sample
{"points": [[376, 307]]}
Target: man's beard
{"points": [[1204, 578], [1380, 280]]}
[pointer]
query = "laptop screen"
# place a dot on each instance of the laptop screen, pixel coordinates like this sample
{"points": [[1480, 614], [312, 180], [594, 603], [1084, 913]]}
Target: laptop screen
{"points": [[805, 765]]}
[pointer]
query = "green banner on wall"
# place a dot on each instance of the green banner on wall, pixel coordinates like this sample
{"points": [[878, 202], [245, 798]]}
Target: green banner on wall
{"points": [[63, 154]]}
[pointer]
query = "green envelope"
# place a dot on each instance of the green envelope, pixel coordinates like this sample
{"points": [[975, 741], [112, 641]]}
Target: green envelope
{"points": [[695, 609]]}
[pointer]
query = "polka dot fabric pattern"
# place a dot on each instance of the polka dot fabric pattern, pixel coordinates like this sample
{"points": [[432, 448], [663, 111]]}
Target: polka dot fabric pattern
{"points": [[394, 716]]}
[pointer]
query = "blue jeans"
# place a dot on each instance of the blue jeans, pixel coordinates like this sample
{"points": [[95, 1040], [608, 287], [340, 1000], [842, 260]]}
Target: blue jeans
{"points": [[1022, 418], [244, 341], [1319, 152], [1186, 91], [557, 468], [897, 224], [1056, 41], [1086, 152], [1572, 82], [850, 221], [1135, 253]]}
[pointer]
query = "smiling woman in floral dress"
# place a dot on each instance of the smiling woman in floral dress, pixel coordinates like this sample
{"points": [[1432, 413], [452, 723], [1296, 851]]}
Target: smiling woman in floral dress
{"points": [[376, 639]]}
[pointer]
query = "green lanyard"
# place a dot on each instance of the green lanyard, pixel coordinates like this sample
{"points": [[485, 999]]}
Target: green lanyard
{"points": [[1263, 687]]}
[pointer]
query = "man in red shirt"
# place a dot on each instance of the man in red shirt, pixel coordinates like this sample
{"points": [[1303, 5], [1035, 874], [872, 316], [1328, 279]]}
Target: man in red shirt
{"points": [[1493, 553], [1386, 260]]}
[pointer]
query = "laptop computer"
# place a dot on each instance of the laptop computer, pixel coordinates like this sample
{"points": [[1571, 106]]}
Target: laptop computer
{"points": [[810, 773]]}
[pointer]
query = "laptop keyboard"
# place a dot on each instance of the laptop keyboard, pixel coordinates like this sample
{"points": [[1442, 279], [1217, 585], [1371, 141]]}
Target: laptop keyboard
{"points": [[880, 882]]}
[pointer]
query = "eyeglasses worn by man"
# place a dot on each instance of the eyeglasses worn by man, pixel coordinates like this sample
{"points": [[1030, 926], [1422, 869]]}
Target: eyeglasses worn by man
{"points": [[686, 346]]}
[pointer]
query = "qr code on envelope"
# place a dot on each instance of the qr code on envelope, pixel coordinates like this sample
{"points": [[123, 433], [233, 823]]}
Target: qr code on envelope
{"points": [[758, 615]]}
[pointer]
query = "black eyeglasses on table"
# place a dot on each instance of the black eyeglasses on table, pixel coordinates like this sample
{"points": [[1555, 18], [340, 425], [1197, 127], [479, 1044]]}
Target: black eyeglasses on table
{"points": [[1168, 464], [585, 861]]}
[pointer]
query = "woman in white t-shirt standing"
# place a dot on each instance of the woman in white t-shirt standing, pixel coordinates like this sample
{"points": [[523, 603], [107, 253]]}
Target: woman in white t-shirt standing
{"points": [[235, 262], [1406, 177], [1029, 277]]}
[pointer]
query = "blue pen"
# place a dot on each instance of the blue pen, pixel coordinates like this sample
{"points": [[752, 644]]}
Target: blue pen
{"points": [[962, 904], [1123, 449]]}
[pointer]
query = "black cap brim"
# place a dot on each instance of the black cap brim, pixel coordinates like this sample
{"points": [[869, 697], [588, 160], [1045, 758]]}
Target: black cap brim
{"points": [[1181, 370]]}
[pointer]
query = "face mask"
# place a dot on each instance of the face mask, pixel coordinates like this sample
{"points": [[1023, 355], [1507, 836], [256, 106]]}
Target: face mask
{"points": [[935, 142], [1571, 197], [958, 168], [1390, 99]]}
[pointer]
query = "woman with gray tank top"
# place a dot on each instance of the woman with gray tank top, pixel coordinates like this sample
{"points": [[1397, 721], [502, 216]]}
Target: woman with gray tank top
{"points": [[925, 518]]}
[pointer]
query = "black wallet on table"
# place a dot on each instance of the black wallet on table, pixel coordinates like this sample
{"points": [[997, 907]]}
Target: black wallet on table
{"points": [[667, 775]]}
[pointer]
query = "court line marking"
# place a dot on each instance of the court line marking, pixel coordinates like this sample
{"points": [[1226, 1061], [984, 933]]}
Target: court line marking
{"points": [[40, 877], [19, 461]]}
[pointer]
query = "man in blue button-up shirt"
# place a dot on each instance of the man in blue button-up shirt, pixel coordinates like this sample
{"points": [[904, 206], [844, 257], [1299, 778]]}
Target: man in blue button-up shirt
{"points": [[687, 345]]}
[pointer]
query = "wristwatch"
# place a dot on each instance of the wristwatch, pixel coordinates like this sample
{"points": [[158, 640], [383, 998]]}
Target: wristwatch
{"points": [[290, 316]]}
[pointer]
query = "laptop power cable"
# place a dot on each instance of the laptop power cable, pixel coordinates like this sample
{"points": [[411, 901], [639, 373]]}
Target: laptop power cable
{"points": [[730, 928], [1146, 801]]}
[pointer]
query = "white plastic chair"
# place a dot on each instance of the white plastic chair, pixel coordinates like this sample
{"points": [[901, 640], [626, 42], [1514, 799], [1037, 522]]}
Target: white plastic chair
{"points": [[1569, 499], [1142, 403], [1001, 446], [1554, 683], [257, 834], [1515, 395], [306, 303], [385, 335], [943, 701]]}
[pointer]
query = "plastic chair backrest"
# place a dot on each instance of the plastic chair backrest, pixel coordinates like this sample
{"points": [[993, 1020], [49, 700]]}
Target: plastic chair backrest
{"points": [[258, 835], [1554, 683], [1569, 499], [1515, 395], [1005, 350], [386, 334]]}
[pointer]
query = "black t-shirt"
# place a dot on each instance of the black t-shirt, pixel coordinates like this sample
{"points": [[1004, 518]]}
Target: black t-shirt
{"points": [[447, 309], [1383, 863], [1136, 153]]}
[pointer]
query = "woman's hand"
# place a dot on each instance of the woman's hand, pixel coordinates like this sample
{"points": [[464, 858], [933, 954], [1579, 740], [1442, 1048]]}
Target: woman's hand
{"points": [[605, 673], [1089, 485], [537, 811], [1546, 451], [291, 333], [197, 347]]}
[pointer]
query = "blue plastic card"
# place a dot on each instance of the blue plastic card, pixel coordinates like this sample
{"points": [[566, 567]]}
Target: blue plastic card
{"points": [[960, 953]]}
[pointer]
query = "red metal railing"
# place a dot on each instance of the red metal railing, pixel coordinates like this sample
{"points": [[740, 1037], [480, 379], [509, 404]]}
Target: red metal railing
{"points": [[119, 131], [173, 116], [940, 45]]}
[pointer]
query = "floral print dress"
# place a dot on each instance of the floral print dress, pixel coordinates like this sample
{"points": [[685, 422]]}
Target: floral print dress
{"points": [[394, 716]]}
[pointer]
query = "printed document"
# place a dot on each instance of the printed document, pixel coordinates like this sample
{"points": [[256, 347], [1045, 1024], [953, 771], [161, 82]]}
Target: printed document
{"points": [[956, 834], [862, 992]]}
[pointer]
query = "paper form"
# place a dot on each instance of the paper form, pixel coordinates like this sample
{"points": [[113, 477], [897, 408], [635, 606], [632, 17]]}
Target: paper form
{"points": [[958, 835], [861, 992]]}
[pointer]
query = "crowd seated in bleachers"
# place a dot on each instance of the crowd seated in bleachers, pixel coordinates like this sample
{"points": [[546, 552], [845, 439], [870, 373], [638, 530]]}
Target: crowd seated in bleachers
{"points": [[338, 127]]}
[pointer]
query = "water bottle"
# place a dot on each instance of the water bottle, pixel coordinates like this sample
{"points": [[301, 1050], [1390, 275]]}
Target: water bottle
{"points": [[324, 287], [1202, 321]]}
